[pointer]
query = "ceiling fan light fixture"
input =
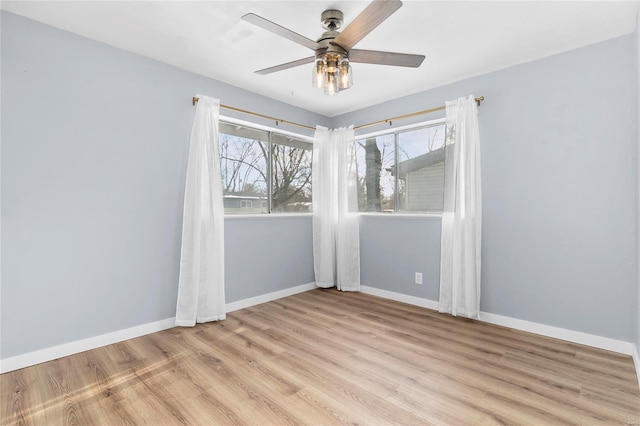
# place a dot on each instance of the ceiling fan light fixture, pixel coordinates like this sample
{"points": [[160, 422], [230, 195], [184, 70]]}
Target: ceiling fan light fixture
{"points": [[332, 70], [332, 73]]}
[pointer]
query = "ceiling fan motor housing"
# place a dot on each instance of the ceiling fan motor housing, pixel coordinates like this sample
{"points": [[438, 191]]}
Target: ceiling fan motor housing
{"points": [[332, 19]]}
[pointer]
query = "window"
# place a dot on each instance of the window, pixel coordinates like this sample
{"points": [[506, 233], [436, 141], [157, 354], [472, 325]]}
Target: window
{"points": [[262, 169], [243, 164], [402, 171], [290, 174]]}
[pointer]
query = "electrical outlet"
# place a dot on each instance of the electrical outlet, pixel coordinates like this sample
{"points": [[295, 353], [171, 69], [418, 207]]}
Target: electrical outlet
{"points": [[418, 277]]}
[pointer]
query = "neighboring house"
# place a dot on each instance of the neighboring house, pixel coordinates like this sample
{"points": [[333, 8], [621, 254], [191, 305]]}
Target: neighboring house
{"points": [[421, 182], [241, 203], [252, 203]]}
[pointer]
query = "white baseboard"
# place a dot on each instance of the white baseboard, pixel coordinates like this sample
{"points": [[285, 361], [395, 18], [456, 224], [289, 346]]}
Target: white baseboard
{"points": [[55, 352], [636, 361], [606, 343], [43, 355], [399, 297], [264, 298]]}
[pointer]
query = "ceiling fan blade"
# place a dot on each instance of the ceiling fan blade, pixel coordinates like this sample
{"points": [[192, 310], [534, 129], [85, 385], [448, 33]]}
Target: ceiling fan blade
{"points": [[385, 58], [280, 30], [286, 66], [372, 16]]}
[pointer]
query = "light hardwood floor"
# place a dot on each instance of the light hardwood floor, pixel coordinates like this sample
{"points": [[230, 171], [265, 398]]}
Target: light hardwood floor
{"points": [[325, 357]]}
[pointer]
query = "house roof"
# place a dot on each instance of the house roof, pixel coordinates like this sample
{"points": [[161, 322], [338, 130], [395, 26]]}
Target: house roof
{"points": [[419, 162]]}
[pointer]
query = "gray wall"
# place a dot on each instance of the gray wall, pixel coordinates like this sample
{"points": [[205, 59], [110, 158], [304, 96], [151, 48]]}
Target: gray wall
{"points": [[636, 35], [94, 149], [393, 249], [94, 145], [558, 192], [267, 254]]}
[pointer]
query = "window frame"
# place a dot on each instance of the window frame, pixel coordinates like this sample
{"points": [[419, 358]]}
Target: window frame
{"points": [[395, 131], [310, 139], [269, 166]]}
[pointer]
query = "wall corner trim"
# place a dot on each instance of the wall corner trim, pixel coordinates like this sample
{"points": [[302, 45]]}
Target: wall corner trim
{"points": [[48, 354], [573, 336], [399, 297], [268, 297], [636, 361], [43, 355], [606, 343]]}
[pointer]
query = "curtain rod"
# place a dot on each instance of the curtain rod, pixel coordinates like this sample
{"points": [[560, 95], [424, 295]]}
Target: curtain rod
{"points": [[362, 126], [268, 117], [413, 114]]}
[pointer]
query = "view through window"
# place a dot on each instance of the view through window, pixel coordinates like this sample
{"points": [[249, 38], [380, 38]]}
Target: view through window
{"points": [[402, 171], [263, 171]]}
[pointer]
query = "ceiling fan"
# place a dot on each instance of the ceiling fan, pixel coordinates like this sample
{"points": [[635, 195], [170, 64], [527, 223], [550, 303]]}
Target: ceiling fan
{"points": [[334, 50]]}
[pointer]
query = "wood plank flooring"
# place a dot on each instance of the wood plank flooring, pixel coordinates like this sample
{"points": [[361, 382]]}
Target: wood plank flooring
{"points": [[325, 357]]}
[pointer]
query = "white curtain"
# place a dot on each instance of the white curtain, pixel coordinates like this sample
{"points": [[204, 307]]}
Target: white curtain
{"points": [[462, 212], [201, 283], [336, 245]]}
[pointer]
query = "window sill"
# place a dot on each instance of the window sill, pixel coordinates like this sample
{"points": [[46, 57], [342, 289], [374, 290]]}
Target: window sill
{"points": [[267, 216], [403, 215], [310, 215]]}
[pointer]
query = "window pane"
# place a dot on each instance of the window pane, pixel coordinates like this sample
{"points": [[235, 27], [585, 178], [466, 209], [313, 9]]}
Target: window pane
{"points": [[376, 183], [291, 174], [243, 163], [421, 169]]}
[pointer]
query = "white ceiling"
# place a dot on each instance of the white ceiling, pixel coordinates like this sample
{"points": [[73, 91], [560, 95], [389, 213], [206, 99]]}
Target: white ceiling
{"points": [[460, 39]]}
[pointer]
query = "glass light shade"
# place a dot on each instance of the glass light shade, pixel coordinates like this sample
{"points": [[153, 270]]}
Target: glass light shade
{"points": [[317, 78], [332, 72], [345, 79], [330, 84]]}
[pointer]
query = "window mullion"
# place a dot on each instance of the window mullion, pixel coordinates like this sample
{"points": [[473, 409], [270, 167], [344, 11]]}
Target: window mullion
{"points": [[269, 175], [396, 138]]}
